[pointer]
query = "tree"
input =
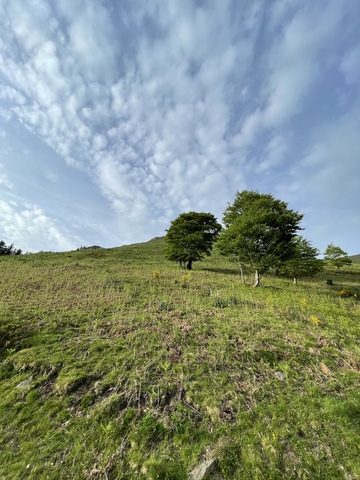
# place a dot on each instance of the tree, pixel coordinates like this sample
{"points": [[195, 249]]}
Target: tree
{"points": [[8, 250], [191, 237], [336, 256], [259, 230], [304, 260]]}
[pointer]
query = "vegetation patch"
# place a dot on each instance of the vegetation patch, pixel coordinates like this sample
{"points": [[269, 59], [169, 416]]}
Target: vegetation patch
{"points": [[122, 366]]}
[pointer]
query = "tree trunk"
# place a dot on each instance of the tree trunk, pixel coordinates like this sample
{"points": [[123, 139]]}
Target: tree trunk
{"points": [[295, 280], [242, 274], [241, 270], [189, 265], [257, 279]]}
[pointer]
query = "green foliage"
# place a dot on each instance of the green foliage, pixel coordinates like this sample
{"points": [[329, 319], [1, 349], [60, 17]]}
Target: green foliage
{"points": [[336, 256], [304, 261], [259, 230], [191, 237], [8, 250]]}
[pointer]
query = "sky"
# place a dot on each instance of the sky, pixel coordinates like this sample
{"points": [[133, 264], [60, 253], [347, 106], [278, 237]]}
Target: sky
{"points": [[116, 116]]}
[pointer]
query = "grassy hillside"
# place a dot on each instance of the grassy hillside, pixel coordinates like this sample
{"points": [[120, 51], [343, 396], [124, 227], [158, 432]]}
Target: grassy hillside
{"points": [[355, 258], [115, 364]]}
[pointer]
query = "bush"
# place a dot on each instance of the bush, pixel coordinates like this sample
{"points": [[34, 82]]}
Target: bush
{"points": [[8, 250]]}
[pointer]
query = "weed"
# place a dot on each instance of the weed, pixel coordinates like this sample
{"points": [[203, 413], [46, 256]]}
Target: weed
{"points": [[346, 293], [164, 306], [185, 279], [314, 320], [220, 302]]}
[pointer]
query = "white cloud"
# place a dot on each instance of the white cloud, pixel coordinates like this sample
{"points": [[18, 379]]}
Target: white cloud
{"points": [[294, 59], [172, 106], [99, 142], [53, 177], [4, 178], [28, 228], [326, 182], [250, 127], [12, 95], [274, 153]]}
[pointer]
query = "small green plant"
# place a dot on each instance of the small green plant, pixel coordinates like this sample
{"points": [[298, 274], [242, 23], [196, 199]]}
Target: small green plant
{"points": [[163, 306], [220, 302], [346, 293], [156, 276], [233, 301], [185, 279]]}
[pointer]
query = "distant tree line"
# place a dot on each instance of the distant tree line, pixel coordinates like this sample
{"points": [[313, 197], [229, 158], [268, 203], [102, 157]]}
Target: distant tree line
{"points": [[260, 232], [8, 249]]}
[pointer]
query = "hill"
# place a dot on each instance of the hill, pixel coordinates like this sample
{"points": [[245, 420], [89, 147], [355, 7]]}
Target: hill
{"points": [[115, 364], [355, 258]]}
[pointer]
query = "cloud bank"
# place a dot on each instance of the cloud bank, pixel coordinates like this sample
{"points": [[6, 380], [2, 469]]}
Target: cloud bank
{"points": [[160, 108]]}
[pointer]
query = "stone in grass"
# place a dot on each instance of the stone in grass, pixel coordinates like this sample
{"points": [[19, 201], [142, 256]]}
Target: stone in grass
{"points": [[280, 375], [325, 369], [25, 383], [207, 470]]}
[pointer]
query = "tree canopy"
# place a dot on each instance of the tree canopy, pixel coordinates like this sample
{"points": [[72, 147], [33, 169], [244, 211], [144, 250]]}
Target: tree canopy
{"points": [[259, 231], [8, 250], [303, 261], [336, 256], [190, 237]]}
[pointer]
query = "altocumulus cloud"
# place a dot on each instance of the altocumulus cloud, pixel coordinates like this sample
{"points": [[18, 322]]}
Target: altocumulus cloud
{"points": [[157, 108]]}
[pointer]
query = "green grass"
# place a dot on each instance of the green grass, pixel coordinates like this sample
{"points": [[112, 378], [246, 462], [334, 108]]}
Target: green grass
{"points": [[135, 370]]}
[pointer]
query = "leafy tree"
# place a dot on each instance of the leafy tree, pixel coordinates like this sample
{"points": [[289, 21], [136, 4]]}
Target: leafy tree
{"points": [[259, 231], [8, 250], [304, 260], [336, 256], [190, 237]]}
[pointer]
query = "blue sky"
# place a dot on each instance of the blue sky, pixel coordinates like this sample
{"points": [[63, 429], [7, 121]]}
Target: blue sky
{"points": [[117, 116]]}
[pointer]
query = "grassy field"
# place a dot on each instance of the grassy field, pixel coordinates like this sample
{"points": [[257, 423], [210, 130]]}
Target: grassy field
{"points": [[116, 364]]}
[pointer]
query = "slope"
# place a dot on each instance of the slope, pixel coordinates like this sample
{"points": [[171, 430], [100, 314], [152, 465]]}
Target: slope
{"points": [[115, 364]]}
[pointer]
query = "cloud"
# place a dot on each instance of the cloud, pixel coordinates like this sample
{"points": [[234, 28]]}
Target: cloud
{"points": [[295, 58], [275, 152], [171, 107], [4, 178], [28, 227], [11, 95], [326, 182], [91, 32]]}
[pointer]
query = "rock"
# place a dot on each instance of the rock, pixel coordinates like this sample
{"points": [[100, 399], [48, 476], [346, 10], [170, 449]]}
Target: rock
{"points": [[25, 383], [207, 470], [280, 375], [325, 369]]}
